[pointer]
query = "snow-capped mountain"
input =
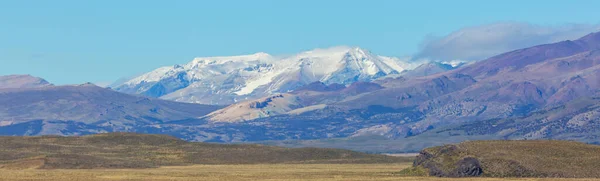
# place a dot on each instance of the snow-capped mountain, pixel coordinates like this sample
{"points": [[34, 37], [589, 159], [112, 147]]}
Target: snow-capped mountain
{"points": [[225, 80]]}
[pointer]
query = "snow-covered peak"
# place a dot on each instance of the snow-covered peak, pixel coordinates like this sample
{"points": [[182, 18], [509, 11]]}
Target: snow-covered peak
{"points": [[333, 51], [199, 61], [156, 75], [226, 79], [329, 60], [359, 52]]}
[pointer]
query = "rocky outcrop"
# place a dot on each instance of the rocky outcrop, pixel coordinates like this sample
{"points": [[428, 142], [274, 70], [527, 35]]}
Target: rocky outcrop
{"points": [[447, 162], [508, 159]]}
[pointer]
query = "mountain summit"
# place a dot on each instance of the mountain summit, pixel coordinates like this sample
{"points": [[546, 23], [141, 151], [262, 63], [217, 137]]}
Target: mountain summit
{"points": [[22, 81], [226, 80]]}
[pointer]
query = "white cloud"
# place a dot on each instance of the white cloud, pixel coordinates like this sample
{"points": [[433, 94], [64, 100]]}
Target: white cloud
{"points": [[480, 42]]}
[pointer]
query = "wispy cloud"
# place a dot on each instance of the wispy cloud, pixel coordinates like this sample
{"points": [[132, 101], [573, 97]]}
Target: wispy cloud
{"points": [[480, 42]]}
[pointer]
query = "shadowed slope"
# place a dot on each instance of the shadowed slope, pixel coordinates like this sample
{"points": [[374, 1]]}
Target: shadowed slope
{"points": [[85, 109]]}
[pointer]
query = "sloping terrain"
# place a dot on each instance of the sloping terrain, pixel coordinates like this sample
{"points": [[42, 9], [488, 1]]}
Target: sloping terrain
{"points": [[22, 81], [312, 97], [85, 109], [128, 150], [539, 158], [576, 120]]}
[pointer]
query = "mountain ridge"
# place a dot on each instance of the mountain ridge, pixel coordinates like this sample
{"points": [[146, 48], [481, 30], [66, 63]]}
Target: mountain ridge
{"points": [[86, 108], [237, 78], [22, 81]]}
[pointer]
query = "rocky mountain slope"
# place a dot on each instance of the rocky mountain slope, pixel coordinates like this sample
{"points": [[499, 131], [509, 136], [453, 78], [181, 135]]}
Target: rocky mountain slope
{"points": [[507, 85], [314, 96], [226, 80], [546, 91]]}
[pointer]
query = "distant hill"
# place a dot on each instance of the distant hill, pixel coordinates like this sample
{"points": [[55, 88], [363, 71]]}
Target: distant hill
{"points": [[533, 158], [315, 94], [129, 150], [22, 81], [83, 109]]}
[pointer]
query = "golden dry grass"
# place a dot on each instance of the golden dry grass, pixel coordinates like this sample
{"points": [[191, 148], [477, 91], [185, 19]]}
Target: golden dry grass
{"points": [[271, 172], [524, 158], [129, 150]]}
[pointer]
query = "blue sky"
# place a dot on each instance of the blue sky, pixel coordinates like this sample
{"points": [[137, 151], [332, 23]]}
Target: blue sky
{"points": [[68, 42]]}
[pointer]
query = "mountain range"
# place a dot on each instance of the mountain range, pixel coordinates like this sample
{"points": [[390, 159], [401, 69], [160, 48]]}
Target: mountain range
{"points": [[542, 92], [334, 97], [227, 80]]}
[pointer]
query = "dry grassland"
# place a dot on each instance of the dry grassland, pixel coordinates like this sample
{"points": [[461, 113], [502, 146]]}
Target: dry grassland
{"points": [[272, 172]]}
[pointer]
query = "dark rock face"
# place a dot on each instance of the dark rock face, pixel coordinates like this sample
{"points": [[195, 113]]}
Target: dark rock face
{"points": [[422, 158], [468, 167], [448, 161], [509, 159], [265, 103], [320, 87], [428, 69]]}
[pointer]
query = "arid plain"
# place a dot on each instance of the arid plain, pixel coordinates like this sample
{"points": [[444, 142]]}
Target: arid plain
{"points": [[273, 172]]}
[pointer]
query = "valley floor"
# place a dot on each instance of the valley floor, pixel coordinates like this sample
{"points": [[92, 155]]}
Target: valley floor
{"points": [[272, 172]]}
